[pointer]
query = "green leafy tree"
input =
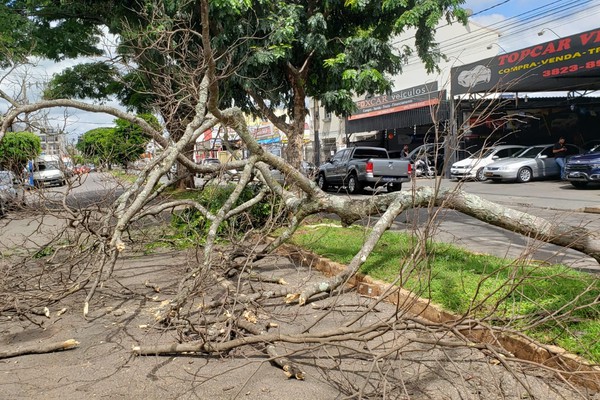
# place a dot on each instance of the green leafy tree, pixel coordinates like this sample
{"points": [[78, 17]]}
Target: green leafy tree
{"points": [[95, 145], [31, 28], [16, 148], [121, 144], [270, 54], [128, 142]]}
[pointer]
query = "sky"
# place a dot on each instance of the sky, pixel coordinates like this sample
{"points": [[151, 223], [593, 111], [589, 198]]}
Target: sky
{"points": [[520, 21], [517, 21]]}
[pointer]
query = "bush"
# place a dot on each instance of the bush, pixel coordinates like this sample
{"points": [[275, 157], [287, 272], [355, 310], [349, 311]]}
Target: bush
{"points": [[192, 225]]}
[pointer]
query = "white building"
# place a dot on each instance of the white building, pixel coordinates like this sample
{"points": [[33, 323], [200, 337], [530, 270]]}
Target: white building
{"points": [[53, 142], [404, 115]]}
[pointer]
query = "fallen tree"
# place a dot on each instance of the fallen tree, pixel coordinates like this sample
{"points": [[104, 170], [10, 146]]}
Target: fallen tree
{"points": [[214, 304]]}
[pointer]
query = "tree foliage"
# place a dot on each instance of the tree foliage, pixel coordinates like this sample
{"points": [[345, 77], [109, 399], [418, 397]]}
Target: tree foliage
{"points": [[95, 144], [121, 144], [282, 52], [16, 148], [128, 141], [92, 81], [46, 28]]}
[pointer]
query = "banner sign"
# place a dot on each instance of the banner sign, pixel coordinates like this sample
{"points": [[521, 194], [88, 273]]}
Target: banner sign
{"points": [[567, 63], [406, 99]]}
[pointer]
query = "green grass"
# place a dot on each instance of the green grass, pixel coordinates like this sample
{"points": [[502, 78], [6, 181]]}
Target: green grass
{"points": [[122, 175], [509, 293]]}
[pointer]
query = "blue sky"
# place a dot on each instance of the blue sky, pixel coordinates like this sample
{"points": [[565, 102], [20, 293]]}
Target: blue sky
{"points": [[517, 21]]}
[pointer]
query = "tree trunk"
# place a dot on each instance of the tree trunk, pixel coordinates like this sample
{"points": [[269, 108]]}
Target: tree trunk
{"points": [[294, 149]]}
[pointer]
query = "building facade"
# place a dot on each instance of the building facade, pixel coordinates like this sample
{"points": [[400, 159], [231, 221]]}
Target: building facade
{"points": [[418, 108]]}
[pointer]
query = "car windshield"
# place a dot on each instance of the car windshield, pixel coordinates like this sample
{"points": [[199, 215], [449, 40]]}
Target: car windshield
{"points": [[47, 165], [482, 153], [530, 152]]}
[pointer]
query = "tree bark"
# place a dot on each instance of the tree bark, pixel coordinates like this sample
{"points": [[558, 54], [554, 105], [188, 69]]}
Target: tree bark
{"points": [[40, 348]]}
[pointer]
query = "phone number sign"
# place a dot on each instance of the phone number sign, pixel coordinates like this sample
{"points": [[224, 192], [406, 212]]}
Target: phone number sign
{"points": [[567, 63]]}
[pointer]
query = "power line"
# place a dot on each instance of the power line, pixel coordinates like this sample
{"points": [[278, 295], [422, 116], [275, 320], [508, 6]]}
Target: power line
{"points": [[513, 26]]}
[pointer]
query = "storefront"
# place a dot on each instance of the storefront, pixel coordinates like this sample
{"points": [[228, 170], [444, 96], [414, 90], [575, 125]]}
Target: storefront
{"points": [[408, 116], [503, 99]]}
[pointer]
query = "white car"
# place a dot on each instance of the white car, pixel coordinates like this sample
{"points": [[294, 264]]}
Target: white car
{"points": [[472, 167], [48, 170]]}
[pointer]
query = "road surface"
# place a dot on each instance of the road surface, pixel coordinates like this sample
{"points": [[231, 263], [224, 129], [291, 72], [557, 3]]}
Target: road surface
{"points": [[554, 200]]}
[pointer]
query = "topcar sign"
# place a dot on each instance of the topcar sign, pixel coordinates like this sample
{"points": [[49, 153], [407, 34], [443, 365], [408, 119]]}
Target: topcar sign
{"points": [[567, 63]]}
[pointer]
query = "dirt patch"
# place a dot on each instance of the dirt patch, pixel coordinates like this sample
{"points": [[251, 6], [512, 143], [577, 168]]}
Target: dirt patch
{"points": [[402, 362]]}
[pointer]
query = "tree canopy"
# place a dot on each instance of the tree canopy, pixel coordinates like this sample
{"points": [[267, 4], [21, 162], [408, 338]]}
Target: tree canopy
{"points": [[269, 54], [121, 144], [95, 144], [16, 148]]}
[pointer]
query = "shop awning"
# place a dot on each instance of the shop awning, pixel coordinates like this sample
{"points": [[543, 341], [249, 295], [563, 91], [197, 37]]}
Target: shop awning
{"points": [[401, 119]]}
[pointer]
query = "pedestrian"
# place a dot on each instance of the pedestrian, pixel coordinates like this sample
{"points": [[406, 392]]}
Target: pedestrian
{"points": [[560, 152], [404, 152]]}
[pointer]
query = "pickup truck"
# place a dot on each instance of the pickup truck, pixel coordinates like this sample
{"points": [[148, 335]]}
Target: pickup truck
{"points": [[359, 167], [583, 169]]}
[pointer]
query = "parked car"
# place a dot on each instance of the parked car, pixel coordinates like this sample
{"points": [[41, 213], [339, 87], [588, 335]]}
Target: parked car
{"points": [[535, 162], [358, 167], [215, 161], [472, 167], [12, 193], [81, 169], [583, 169], [48, 170], [208, 161], [306, 168]]}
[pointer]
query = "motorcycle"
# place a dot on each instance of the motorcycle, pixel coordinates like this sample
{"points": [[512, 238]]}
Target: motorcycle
{"points": [[423, 168]]}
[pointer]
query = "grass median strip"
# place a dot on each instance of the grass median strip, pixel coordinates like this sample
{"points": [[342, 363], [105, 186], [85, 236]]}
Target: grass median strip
{"points": [[550, 303]]}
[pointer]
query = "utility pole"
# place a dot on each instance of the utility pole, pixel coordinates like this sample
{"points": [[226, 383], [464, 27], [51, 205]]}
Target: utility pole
{"points": [[317, 141]]}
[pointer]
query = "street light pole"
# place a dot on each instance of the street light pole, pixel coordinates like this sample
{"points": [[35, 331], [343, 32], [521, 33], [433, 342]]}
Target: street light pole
{"points": [[317, 142]]}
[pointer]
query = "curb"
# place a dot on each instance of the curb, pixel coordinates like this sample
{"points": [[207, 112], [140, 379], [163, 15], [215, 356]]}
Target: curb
{"points": [[574, 368], [591, 210]]}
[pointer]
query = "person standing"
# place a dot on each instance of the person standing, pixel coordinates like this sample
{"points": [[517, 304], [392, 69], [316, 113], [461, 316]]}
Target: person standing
{"points": [[404, 152], [560, 152]]}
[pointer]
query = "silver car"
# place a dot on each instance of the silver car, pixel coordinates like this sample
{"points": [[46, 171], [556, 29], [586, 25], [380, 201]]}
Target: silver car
{"points": [[12, 195], [535, 162]]}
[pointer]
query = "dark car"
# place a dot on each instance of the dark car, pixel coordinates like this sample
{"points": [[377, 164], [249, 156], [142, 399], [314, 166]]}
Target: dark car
{"points": [[583, 169], [428, 159]]}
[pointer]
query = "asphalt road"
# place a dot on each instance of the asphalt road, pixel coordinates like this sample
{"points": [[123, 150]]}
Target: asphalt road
{"points": [[554, 200]]}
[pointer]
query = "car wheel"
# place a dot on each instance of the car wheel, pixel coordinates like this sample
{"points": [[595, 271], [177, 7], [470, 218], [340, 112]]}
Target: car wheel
{"points": [[479, 175], [322, 182], [579, 185], [353, 185], [394, 187], [524, 175]]}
